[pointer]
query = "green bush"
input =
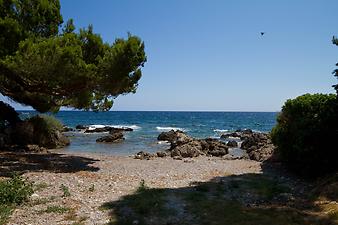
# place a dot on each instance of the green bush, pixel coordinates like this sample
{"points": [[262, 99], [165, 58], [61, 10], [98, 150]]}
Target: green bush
{"points": [[306, 134], [15, 191], [46, 123]]}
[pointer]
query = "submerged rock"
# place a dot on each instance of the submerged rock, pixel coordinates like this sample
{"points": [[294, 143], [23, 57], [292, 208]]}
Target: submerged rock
{"points": [[112, 138], [81, 127], [67, 129]]}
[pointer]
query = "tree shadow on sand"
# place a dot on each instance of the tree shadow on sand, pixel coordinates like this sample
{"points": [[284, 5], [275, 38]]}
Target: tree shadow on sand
{"points": [[247, 199], [20, 162]]}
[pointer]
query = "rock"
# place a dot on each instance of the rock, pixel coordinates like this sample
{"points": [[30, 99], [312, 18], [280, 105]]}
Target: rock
{"points": [[98, 130], [81, 127], [214, 147], [34, 196], [174, 137], [114, 129], [258, 146], [161, 154], [67, 129], [144, 155], [112, 138], [232, 144], [29, 133], [188, 150], [32, 148]]}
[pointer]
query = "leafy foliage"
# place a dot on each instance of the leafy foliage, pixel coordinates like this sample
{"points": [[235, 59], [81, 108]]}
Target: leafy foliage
{"points": [[15, 191], [45, 123], [46, 69], [335, 72], [306, 133]]}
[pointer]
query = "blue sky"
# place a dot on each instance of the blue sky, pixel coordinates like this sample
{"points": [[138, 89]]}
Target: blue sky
{"points": [[209, 55]]}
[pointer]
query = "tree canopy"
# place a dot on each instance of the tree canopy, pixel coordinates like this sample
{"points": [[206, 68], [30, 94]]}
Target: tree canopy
{"points": [[335, 72], [47, 67]]}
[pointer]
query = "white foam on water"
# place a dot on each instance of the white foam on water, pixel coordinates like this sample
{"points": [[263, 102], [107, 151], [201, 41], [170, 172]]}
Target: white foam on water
{"points": [[163, 142], [221, 131], [169, 128], [94, 126]]}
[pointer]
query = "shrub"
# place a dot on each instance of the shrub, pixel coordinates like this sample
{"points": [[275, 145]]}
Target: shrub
{"points": [[15, 191], [46, 123], [306, 133]]}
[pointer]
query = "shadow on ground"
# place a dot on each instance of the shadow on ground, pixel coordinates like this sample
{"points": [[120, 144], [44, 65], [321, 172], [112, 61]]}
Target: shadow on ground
{"points": [[247, 199], [17, 162]]}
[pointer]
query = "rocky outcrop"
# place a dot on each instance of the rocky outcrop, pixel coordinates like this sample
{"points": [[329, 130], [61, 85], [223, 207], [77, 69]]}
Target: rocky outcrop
{"points": [[258, 146], [32, 133], [98, 130], [187, 150], [81, 127], [113, 137], [87, 129], [67, 129], [232, 144], [174, 137], [182, 145]]}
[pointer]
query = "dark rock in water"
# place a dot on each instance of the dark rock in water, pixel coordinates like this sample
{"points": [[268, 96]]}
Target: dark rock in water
{"points": [[232, 144], [234, 134], [81, 127], [115, 129], [247, 131], [112, 138], [99, 130], [67, 129], [144, 155], [107, 129], [174, 136]]}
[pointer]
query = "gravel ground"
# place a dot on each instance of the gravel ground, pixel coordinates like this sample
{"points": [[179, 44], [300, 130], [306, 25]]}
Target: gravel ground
{"points": [[111, 178]]}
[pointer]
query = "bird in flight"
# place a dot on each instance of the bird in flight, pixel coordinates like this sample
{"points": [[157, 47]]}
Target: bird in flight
{"points": [[262, 33]]}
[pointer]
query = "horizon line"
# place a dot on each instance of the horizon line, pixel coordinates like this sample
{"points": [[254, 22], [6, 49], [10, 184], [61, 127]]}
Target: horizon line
{"points": [[32, 110]]}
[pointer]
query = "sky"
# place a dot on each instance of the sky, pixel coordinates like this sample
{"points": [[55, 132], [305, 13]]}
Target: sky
{"points": [[210, 55]]}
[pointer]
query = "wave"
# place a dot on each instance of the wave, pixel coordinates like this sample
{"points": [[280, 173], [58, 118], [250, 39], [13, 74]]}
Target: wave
{"points": [[220, 131], [169, 128], [163, 142], [94, 126]]}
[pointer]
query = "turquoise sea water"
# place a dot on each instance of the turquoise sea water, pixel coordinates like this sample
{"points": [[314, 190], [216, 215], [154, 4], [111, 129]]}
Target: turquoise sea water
{"points": [[148, 125]]}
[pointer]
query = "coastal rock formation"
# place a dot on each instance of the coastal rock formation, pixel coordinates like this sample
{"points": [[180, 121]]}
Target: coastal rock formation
{"points": [[174, 137], [113, 137], [258, 146], [88, 129], [188, 150], [232, 144], [182, 145], [80, 127], [67, 129], [98, 130], [27, 133]]}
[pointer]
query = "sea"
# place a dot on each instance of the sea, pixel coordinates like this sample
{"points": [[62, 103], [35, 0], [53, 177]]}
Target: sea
{"points": [[148, 125]]}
